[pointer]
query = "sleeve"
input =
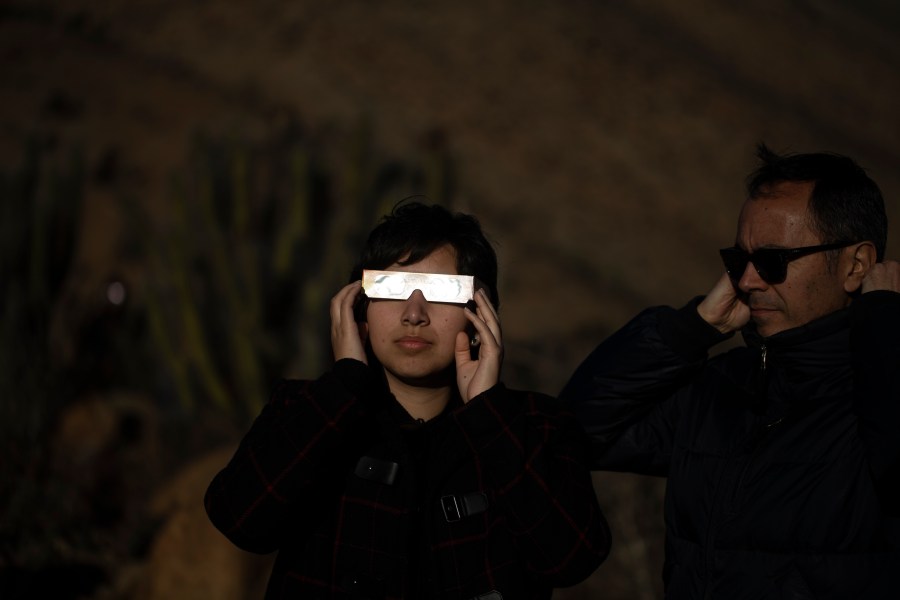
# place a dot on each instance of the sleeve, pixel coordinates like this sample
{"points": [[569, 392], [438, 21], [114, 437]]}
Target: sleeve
{"points": [[627, 393], [289, 465], [875, 351], [535, 463]]}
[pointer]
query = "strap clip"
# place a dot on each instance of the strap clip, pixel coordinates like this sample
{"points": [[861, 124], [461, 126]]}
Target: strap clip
{"points": [[465, 505], [376, 469]]}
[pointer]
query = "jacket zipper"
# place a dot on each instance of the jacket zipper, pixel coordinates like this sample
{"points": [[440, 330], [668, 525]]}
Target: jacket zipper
{"points": [[731, 507], [761, 430], [762, 363]]}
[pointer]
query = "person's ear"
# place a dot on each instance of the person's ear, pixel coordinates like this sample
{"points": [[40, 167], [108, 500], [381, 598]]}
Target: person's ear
{"points": [[861, 258], [363, 327]]}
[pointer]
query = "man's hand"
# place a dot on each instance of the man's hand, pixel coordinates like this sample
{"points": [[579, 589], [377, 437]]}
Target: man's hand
{"points": [[477, 376], [346, 340], [723, 308], [882, 276]]}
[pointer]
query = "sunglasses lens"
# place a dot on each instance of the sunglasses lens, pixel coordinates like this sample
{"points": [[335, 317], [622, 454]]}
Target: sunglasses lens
{"points": [[735, 261], [770, 265]]}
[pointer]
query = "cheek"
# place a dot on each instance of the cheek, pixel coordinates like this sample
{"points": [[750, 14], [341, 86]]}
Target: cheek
{"points": [[375, 320], [381, 311], [815, 299], [452, 323]]}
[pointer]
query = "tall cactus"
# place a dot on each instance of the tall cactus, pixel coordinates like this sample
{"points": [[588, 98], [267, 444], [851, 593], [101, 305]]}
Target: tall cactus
{"points": [[262, 235], [41, 212]]}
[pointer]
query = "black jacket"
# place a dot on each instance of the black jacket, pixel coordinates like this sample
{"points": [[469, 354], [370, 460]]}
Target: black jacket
{"points": [[492, 499], [781, 457]]}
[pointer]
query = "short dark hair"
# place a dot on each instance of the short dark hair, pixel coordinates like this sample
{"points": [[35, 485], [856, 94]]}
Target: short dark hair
{"points": [[845, 205], [414, 230]]}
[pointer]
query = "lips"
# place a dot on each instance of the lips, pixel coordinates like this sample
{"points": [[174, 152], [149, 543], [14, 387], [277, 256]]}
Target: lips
{"points": [[413, 343], [761, 310], [757, 307]]}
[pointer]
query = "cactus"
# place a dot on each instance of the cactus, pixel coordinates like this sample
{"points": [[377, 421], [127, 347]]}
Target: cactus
{"points": [[41, 211], [231, 292], [261, 236]]}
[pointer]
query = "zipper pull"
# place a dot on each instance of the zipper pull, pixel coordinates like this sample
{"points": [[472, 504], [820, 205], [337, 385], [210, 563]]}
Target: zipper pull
{"points": [[762, 363], [761, 383]]}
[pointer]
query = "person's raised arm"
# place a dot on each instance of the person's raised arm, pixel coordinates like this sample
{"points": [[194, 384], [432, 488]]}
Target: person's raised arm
{"points": [[883, 276], [625, 392], [289, 465], [875, 346], [535, 460]]}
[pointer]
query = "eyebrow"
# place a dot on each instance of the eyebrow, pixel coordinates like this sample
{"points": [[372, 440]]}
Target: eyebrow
{"points": [[765, 247]]}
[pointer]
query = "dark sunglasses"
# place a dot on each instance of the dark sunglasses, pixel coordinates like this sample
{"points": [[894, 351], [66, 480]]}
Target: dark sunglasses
{"points": [[770, 263]]}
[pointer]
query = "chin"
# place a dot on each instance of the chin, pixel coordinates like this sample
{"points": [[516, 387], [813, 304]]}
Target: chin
{"points": [[769, 331], [425, 377]]}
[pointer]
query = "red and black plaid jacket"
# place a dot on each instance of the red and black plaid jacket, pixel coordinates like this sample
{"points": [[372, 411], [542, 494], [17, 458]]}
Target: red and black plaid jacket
{"points": [[492, 499]]}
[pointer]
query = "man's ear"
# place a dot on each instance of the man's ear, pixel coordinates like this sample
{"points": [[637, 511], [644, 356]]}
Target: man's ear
{"points": [[861, 258]]}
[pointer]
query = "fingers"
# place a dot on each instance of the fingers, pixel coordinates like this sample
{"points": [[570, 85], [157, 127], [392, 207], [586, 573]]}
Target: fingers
{"points": [[486, 320], [723, 307], [462, 350], [476, 376], [883, 276], [342, 303], [345, 333]]}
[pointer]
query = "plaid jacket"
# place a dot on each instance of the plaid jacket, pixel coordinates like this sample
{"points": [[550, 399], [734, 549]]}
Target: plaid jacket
{"points": [[489, 500]]}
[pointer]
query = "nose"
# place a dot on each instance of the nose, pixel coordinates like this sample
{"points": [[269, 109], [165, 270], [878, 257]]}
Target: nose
{"points": [[415, 309], [750, 279]]}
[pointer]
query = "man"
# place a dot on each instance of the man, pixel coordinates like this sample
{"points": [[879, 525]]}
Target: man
{"points": [[408, 470], [781, 456]]}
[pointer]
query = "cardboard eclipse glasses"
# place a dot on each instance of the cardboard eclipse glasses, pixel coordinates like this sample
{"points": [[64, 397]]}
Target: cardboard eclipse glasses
{"points": [[436, 287]]}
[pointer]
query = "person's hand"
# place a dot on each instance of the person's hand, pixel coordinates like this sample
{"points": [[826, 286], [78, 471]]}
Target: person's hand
{"points": [[346, 340], [723, 308], [477, 376], [882, 276]]}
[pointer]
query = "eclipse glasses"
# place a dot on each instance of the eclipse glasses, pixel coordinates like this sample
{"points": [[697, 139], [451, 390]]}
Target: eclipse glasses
{"points": [[436, 287], [770, 263]]}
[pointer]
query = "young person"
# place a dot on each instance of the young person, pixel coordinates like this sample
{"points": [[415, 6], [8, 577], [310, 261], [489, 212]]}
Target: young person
{"points": [[408, 470]]}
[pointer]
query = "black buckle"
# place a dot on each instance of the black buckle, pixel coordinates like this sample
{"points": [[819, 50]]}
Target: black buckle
{"points": [[362, 586], [375, 469], [492, 595], [451, 508], [457, 507]]}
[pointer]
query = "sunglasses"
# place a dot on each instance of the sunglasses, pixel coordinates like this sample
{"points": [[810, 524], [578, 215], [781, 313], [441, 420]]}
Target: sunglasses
{"points": [[770, 263], [436, 287]]}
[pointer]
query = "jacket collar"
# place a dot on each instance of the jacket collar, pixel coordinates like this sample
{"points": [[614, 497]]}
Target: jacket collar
{"points": [[803, 365], [826, 335]]}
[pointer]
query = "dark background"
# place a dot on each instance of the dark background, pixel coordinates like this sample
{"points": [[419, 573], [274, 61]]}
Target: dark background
{"points": [[185, 184]]}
